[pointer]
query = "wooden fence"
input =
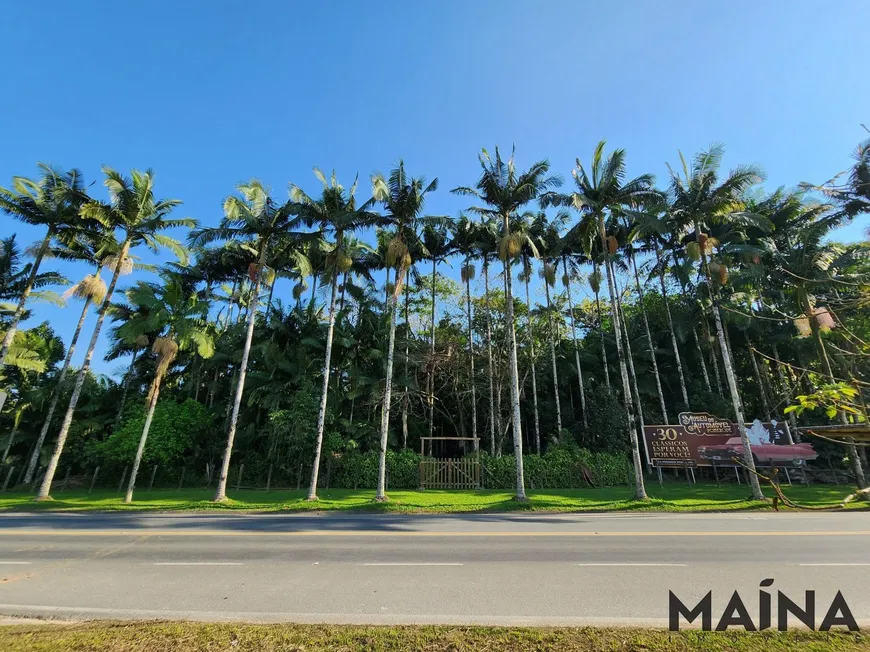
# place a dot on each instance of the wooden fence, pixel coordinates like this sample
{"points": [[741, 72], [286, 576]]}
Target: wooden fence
{"points": [[450, 473]]}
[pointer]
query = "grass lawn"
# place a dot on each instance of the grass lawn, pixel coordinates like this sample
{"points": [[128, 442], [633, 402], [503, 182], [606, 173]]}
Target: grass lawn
{"points": [[193, 637], [670, 498]]}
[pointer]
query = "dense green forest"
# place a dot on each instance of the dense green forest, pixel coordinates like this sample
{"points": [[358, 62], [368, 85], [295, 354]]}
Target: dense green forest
{"points": [[582, 308]]}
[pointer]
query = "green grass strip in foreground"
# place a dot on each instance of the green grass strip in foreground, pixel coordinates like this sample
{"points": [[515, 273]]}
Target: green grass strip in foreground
{"points": [[670, 498], [195, 637]]}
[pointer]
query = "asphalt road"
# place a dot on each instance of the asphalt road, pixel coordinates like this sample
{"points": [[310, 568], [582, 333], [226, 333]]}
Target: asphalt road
{"points": [[462, 569]]}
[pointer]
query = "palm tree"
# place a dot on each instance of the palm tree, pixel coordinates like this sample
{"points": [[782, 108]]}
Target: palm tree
{"points": [[336, 212], [254, 218], [808, 265], [853, 196], [699, 201], [92, 290], [595, 286], [650, 227], [132, 210], [465, 242], [176, 315], [403, 198], [52, 202], [530, 230], [550, 239], [604, 192], [505, 192], [570, 254], [436, 241], [487, 247], [628, 247]]}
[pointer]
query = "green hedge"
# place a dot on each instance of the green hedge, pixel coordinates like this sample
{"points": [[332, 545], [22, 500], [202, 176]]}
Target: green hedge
{"points": [[556, 469], [560, 468]]}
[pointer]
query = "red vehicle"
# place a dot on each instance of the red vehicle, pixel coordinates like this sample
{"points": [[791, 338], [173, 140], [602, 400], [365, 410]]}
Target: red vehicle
{"points": [[795, 454]]}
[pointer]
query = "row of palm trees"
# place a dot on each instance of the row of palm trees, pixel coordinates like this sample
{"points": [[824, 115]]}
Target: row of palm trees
{"points": [[705, 232]]}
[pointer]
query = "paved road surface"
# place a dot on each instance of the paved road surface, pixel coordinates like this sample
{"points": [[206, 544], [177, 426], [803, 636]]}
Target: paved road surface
{"points": [[475, 569]]}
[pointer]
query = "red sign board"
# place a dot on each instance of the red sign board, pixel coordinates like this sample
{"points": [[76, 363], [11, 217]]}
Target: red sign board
{"points": [[701, 439]]}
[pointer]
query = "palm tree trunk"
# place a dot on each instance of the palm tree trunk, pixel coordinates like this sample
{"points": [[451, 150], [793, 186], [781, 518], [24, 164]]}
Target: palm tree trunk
{"points": [[489, 358], [713, 357], [313, 293], [553, 360], [19, 309], [514, 371], [674, 345], [127, 377], [639, 488], [406, 395], [786, 392], [232, 304], [431, 379], [45, 489], [649, 340], [221, 493], [601, 332], [762, 388], [381, 495], [854, 458], [534, 372], [152, 405], [748, 458], [576, 349], [10, 441], [701, 359], [55, 395], [631, 369], [471, 362], [271, 292], [321, 416]]}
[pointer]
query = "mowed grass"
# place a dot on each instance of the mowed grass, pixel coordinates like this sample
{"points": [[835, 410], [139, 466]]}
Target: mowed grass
{"points": [[196, 637], [670, 498]]}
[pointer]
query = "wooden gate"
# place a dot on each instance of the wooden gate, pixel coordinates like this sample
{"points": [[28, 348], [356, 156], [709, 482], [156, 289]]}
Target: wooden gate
{"points": [[450, 473]]}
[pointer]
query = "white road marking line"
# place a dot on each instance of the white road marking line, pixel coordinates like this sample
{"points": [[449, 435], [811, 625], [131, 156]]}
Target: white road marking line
{"points": [[412, 564], [630, 564], [198, 563], [837, 564], [17, 563]]}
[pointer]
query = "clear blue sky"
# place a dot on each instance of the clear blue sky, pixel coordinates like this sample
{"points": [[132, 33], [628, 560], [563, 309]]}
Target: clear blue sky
{"points": [[213, 93]]}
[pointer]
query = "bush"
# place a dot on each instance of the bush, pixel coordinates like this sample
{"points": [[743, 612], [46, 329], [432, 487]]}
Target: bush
{"points": [[173, 430], [560, 468]]}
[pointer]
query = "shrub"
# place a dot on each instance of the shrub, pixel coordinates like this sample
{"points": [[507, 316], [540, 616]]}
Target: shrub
{"points": [[173, 430]]}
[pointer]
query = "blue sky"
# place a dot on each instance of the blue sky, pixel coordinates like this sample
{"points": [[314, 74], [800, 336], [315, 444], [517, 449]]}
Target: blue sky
{"points": [[213, 93]]}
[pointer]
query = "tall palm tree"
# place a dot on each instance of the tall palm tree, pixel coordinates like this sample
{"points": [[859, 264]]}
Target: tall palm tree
{"points": [[530, 228], [605, 191], [260, 223], [140, 218], [571, 255], [699, 201], [808, 266], [595, 286], [436, 241], [52, 202], [176, 316], [403, 199], [335, 212], [505, 191], [92, 290], [628, 248], [465, 242], [550, 240], [487, 246], [650, 228]]}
